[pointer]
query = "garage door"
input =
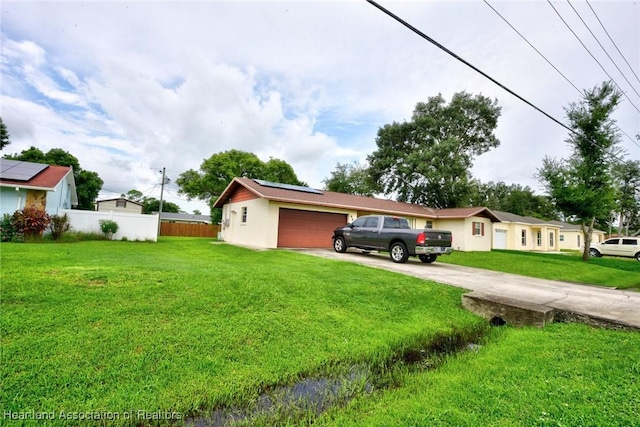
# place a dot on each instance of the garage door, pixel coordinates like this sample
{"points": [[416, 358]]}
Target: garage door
{"points": [[307, 229], [500, 239]]}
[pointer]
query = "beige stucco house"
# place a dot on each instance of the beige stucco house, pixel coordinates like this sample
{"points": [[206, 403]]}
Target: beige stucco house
{"points": [[527, 233], [271, 215], [119, 205], [571, 237]]}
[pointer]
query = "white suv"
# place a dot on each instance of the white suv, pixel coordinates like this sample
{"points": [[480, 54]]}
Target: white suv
{"points": [[617, 246]]}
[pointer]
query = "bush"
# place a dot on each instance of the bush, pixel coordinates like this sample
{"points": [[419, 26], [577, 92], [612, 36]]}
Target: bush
{"points": [[59, 225], [8, 232], [108, 227], [30, 221]]}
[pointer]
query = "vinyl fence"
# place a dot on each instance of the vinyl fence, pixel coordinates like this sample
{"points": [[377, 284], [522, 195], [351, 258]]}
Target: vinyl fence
{"points": [[130, 226]]}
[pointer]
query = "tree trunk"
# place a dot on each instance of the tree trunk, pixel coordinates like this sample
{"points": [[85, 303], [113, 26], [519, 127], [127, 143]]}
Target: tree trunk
{"points": [[587, 233]]}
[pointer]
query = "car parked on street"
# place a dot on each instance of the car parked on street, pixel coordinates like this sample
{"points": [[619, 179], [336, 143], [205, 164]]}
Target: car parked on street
{"points": [[617, 246]]}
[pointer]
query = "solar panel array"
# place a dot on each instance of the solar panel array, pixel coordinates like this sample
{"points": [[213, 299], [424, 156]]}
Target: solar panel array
{"points": [[288, 186], [17, 170]]}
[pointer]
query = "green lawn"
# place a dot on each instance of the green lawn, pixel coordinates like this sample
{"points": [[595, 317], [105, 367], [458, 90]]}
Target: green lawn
{"points": [[621, 273], [188, 325]]}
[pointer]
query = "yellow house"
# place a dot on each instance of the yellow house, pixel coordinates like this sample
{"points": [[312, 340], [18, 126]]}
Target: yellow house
{"points": [[571, 237]]}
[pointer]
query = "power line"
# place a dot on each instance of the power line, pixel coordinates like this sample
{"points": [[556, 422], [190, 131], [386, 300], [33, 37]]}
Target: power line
{"points": [[473, 67], [614, 43], [603, 49], [533, 47], [549, 62], [594, 58]]}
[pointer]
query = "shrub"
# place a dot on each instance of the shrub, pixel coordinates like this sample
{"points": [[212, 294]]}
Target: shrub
{"points": [[30, 221], [8, 232], [59, 225], [108, 227]]}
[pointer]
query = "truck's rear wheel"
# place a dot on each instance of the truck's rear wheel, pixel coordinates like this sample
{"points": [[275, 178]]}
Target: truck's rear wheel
{"points": [[398, 252], [427, 259], [339, 245]]}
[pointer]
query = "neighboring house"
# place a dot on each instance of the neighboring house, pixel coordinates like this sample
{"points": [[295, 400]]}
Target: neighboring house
{"points": [[119, 205], [270, 215], [184, 218], [525, 233], [571, 236], [47, 187]]}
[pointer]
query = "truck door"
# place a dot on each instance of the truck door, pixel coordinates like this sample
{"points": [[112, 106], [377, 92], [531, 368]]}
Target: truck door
{"points": [[370, 232], [355, 236]]}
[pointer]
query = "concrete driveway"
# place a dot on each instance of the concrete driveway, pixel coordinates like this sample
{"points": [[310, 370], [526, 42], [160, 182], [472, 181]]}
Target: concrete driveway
{"points": [[611, 305]]}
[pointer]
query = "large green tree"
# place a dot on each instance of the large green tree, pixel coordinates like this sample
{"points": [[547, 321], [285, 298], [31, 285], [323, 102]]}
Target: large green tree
{"points": [[88, 183], [513, 198], [427, 160], [581, 186], [218, 171], [351, 178], [5, 138]]}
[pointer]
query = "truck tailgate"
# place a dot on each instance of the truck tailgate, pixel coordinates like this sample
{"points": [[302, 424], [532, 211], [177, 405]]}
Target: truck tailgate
{"points": [[438, 238]]}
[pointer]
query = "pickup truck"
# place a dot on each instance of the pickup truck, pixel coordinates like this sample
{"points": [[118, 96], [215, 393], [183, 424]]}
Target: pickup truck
{"points": [[394, 235]]}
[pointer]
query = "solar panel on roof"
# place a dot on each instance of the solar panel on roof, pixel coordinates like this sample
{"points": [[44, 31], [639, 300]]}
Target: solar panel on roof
{"points": [[20, 171], [287, 186]]}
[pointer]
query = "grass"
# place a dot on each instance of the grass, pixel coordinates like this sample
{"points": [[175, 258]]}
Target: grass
{"points": [[621, 273], [186, 325], [563, 375]]}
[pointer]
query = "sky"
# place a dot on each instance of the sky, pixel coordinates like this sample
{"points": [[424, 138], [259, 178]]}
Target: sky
{"points": [[130, 88]]}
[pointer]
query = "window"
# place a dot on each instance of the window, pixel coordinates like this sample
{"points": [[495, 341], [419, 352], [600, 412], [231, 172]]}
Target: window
{"points": [[359, 222], [562, 238], [539, 238], [478, 228], [244, 214], [372, 222], [395, 222], [632, 242], [429, 225], [551, 240], [523, 237], [578, 240], [121, 204], [612, 242]]}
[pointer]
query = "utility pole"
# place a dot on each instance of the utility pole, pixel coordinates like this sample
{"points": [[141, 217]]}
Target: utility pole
{"points": [[161, 196]]}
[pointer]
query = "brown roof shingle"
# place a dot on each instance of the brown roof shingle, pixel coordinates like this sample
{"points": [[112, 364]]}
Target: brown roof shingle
{"points": [[346, 201], [47, 179]]}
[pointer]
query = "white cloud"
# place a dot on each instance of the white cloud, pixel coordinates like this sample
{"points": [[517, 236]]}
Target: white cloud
{"points": [[129, 87]]}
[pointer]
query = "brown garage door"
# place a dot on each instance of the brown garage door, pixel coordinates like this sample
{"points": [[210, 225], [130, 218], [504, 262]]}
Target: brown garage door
{"points": [[307, 229]]}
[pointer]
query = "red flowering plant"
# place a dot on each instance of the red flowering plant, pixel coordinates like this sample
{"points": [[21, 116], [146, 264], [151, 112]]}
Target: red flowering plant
{"points": [[31, 221]]}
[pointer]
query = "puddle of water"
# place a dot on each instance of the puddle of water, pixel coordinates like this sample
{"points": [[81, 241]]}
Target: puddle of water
{"points": [[310, 397]]}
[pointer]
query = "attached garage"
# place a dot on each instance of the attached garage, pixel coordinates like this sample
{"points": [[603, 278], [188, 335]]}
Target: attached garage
{"points": [[307, 229]]}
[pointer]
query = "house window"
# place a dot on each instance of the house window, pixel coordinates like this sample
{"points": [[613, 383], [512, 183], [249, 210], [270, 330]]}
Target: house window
{"points": [[478, 228], [121, 204], [523, 237], [539, 238], [562, 237], [551, 240], [244, 214], [578, 240], [429, 225]]}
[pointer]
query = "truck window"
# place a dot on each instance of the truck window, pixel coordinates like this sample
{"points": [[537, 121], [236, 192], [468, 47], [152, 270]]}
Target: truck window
{"points": [[359, 222], [392, 222], [372, 222]]}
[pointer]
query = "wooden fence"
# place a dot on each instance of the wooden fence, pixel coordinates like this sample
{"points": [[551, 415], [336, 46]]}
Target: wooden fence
{"points": [[190, 230]]}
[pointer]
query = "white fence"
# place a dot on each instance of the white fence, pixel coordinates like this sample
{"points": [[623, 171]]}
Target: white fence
{"points": [[131, 226]]}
